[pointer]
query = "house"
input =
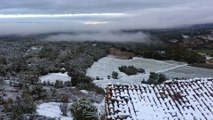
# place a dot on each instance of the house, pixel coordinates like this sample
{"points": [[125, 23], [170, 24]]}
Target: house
{"points": [[174, 99]]}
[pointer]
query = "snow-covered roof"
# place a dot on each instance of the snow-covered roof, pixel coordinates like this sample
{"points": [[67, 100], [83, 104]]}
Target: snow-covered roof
{"points": [[177, 99]]}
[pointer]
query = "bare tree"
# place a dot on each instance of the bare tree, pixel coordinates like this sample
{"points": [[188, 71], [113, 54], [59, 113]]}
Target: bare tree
{"points": [[64, 108]]}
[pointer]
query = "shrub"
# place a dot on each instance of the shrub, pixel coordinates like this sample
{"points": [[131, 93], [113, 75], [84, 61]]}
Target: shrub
{"points": [[3, 60], [8, 105], [58, 84], [64, 98], [84, 110], [38, 92], [141, 70], [74, 81], [176, 54], [97, 78], [49, 52], [153, 75], [90, 87], [2, 101], [49, 83], [155, 78], [131, 70], [185, 55], [22, 105], [80, 78], [3, 71], [67, 84], [64, 108], [162, 78], [115, 75], [152, 81], [44, 83]]}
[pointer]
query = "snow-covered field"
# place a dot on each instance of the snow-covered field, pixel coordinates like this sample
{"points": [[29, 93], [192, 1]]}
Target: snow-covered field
{"points": [[52, 77], [184, 100], [105, 66], [189, 72], [51, 109]]}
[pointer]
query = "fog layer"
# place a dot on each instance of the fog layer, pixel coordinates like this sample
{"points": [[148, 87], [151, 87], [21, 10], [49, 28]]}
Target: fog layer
{"points": [[101, 36], [43, 16]]}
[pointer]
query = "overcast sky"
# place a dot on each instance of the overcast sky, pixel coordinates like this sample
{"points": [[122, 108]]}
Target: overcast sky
{"points": [[37, 16]]}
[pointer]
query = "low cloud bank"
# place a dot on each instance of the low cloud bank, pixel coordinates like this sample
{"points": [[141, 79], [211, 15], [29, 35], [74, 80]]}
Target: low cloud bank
{"points": [[101, 37], [34, 17]]}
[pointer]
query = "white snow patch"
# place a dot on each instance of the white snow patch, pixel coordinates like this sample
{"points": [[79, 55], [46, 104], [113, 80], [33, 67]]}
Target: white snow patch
{"points": [[84, 91], [100, 106], [179, 66], [53, 77], [208, 57], [52, 110], [188, 72]]}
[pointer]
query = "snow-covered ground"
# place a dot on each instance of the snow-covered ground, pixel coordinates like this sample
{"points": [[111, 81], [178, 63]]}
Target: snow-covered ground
{"points": [[189, 72], [51, 109], [84, 91], [52, 77], [178, 100], [100, 107], [105, 66]]}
